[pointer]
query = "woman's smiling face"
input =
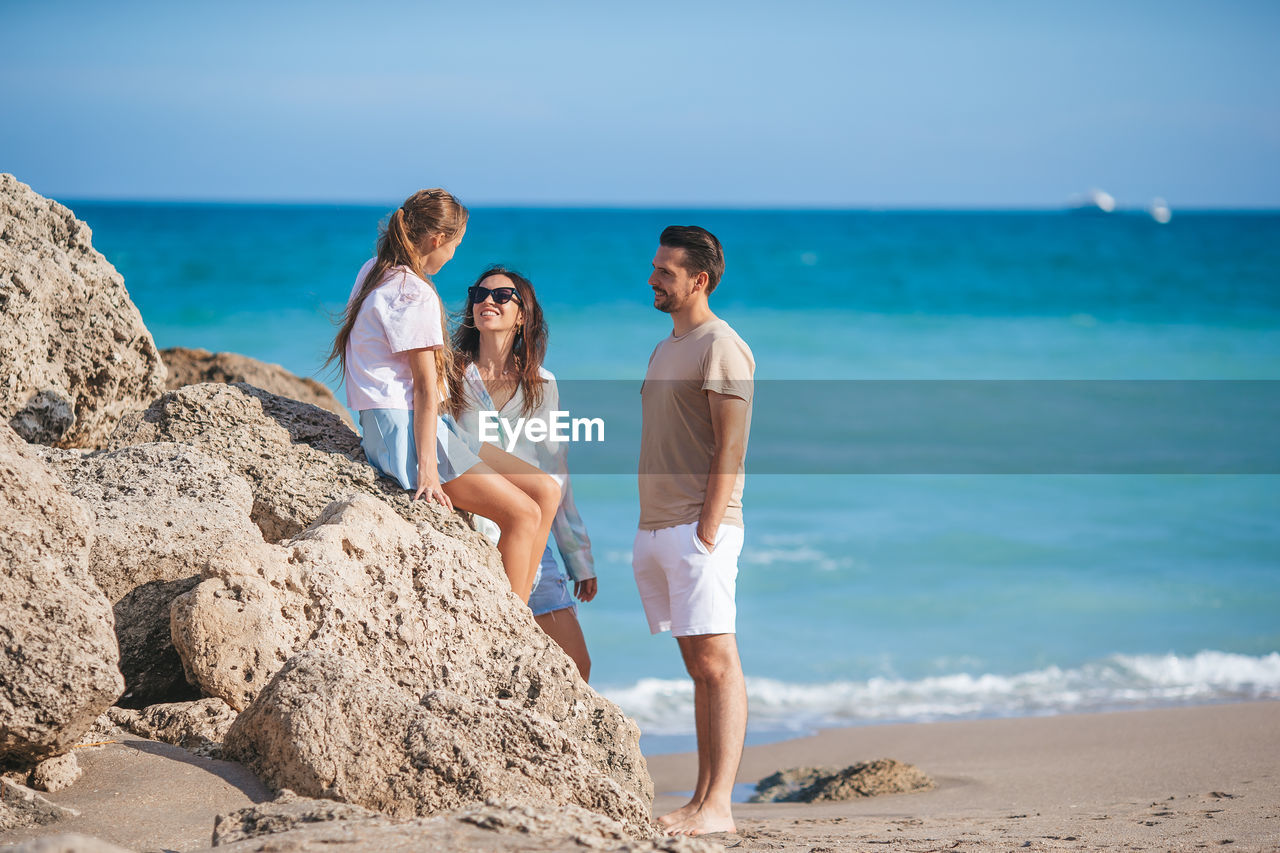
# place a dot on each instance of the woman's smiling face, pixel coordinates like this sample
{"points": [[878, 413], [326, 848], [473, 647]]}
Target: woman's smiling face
{"points": [[491, 317]]}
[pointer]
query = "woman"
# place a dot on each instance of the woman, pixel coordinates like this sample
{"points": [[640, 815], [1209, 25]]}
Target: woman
{"points": [[396, 360], [500, 347]]}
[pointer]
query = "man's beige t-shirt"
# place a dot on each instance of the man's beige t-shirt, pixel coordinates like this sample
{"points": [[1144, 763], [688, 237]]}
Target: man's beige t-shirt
{"points": [[677, 440]]}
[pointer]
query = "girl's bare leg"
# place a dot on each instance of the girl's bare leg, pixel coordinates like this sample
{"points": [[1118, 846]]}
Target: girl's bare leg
{"points": [[486, 492], [541, 488], [562, 626]]}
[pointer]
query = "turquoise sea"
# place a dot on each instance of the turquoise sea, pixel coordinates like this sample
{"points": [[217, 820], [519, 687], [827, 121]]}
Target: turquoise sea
{"points": [[863, 597]]}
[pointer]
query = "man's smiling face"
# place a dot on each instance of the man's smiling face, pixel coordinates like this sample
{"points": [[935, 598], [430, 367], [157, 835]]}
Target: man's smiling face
{"points": [[672, 284]]}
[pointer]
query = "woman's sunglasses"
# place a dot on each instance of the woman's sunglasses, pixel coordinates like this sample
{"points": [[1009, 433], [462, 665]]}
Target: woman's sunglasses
{"points": [[501, 295]]}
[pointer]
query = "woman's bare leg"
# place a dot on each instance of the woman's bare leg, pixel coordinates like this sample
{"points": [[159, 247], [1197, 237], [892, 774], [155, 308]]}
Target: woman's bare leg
{"points": [[540, 487], [486, 492], [562, 626]]}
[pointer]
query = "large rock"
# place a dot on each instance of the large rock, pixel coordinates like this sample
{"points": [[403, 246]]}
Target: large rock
{"points": [[833, 784], [296, 823], [22, 807], [161, 511], [443, 624], [193, 366], [328, 726], [402, 593], [58, 654], [260, 604], [296, 457], [54, 774], [286, 812], [74, 353], [200, 725]]}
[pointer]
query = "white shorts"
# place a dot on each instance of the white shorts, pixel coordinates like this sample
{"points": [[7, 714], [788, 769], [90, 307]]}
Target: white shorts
{"points": [[685, 589]]}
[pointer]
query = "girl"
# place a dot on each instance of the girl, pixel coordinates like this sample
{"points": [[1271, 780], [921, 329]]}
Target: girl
{"points": [[396, 361], [500, 346]]}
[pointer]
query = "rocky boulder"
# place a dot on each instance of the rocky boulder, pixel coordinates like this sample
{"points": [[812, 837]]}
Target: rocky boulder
{"points": [[58, 654], [833, 784], [296, 457], [286, 812], [329, 726], [54, 774], [161, 513], [22, 807], [443, 645], [194, 366], [258, 605], [74, 353], [200, 726], [392, 594]]}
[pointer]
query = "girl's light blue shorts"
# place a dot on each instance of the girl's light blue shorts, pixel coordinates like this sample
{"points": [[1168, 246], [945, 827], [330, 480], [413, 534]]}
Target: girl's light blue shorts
{"points": [[390, 447]]}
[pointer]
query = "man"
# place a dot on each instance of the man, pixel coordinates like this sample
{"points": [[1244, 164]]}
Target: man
{"points": [[696, 400]]}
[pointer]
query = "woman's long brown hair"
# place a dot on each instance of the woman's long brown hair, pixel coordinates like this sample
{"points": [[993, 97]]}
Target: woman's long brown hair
{"points": [[528, 349], [400, 242]]}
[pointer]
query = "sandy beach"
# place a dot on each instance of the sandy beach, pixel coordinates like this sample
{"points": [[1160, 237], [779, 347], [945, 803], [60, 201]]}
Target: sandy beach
{"points": [[1172, 779]]}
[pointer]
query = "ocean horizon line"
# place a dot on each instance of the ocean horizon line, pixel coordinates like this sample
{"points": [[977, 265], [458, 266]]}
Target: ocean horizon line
{"points": [[584, 207]]}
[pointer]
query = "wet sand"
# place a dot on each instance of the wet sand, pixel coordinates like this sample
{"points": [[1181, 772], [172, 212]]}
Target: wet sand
{"points": [[1171, 779]]}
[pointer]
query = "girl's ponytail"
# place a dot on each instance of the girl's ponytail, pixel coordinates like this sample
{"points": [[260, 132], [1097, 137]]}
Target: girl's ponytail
{"points": [[400, 246]]}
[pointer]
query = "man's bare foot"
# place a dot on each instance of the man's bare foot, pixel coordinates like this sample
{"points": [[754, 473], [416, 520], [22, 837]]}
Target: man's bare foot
{"points": [[679, 815], [704, 821]]}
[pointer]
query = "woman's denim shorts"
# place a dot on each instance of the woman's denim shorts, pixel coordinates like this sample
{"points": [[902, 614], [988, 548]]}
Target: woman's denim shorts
{"points": [[551, 592]]}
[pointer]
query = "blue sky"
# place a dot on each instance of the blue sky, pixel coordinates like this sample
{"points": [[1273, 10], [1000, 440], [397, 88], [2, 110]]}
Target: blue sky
{"points": [[831, 104]]}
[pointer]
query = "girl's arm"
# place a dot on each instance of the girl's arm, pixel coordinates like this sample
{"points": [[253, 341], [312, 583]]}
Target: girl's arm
{"points": [[426, 407]]}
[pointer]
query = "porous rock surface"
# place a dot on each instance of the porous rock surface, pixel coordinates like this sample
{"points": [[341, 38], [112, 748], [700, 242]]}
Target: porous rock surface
{"points": [[832, 784], [287, 811], [326, 726], [21, 807], [193, 366], [54, 774], [296, 457], [260, 604], [444, 647], [196, 725], [296, 823], [74, 353], [58, 654], [443, 621], [161, 512]]}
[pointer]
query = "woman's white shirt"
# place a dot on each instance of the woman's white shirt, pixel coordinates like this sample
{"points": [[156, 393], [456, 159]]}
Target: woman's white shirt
{"points": [[551, 457]]}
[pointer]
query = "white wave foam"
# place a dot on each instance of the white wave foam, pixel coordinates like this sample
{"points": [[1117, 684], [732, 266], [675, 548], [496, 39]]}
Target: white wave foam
{"points": [[802, 555], [663, 706]]}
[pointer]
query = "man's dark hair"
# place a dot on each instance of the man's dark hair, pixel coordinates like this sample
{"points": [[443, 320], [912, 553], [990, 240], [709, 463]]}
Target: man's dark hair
{"points": [[701, 248]]}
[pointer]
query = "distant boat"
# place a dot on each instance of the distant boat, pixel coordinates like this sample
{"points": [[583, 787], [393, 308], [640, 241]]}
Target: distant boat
{"points": [[1159, 210], [1095, 201]]}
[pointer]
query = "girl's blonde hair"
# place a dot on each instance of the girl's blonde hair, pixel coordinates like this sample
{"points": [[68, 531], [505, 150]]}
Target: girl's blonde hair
{"points": [[401, 243]]}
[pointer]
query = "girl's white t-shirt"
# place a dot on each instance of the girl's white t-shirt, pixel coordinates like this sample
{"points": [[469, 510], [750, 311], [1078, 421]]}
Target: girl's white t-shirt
{"points": [[401, 314]]}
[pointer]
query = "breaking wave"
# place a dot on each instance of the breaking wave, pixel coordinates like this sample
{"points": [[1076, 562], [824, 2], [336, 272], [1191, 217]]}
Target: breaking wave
{"points": [[665, 706]]}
